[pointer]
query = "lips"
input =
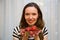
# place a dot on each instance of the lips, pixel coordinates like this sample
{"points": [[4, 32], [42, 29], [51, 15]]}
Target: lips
{"points": [[30, 21]]}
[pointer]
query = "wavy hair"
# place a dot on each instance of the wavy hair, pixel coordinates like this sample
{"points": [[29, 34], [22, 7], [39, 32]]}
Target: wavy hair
{"points": [[39, 23]]}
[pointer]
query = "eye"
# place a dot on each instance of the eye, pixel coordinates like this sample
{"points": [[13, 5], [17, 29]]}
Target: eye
{"points": [[33, 13], [26, 13]]}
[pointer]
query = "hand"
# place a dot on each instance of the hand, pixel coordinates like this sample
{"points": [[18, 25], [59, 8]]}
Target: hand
{"points": [[37, 33], [36, 37], [25, 36], [22, 31]]}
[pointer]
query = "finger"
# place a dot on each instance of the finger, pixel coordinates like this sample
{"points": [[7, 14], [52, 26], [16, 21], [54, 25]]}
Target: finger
{"points": [[37, 32], [33, 35]]}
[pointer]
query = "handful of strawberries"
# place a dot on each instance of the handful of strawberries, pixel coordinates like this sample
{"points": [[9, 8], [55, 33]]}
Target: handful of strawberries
{"points": [[32, 31]]}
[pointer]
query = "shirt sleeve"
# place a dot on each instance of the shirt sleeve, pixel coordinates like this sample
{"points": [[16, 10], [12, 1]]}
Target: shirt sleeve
{"points": [[16, 33], [45, 31]]}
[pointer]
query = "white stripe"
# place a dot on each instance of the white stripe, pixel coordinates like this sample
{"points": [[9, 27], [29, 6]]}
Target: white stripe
{"points": [[31, 38]]}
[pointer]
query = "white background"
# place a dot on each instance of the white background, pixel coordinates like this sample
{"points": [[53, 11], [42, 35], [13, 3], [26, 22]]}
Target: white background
{"points": [[11, 10]]}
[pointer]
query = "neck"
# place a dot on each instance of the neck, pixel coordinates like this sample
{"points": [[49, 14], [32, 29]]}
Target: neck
{"points": [[31, 25]]}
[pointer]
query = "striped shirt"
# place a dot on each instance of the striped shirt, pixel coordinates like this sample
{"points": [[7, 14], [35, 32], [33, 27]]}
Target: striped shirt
{"points": [[16, 33]]}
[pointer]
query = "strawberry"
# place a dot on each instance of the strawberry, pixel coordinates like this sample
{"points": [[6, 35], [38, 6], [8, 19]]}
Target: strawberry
{"points": [[31, 32], [34, 28], [28, 29]]}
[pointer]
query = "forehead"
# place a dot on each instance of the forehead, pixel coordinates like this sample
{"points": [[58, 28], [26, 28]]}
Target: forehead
{"points": [[31, 9]]}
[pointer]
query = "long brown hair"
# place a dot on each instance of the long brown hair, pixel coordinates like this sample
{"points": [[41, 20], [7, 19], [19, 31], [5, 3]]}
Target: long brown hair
{"points": [[39, 23]]}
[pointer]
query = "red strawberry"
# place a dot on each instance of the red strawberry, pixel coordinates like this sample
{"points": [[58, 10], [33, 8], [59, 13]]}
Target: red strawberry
{"points": [[34, 28], [31, 32], [28, 28]]}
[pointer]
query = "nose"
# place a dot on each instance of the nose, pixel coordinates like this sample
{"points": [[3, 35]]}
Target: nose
{"points": [[30, 17]]}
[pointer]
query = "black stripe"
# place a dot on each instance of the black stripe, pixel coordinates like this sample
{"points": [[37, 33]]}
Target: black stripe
{"points": [[14, 29], [17, 29], [45, 33], [15, 36], [14, 33], [45, 30]]}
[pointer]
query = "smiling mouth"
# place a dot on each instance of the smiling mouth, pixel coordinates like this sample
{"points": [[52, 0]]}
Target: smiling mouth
{"points": [[30, 21]]}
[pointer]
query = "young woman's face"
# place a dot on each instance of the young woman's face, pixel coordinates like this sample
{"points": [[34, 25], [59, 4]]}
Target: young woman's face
{"points": [[31, 15]]}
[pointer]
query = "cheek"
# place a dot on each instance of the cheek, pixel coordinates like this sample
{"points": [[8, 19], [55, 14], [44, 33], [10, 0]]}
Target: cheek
{"points": [[36, 17], [26, 17]]}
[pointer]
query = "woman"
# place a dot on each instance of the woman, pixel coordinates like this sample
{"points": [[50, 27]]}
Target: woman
{"points": [[31, 16]]}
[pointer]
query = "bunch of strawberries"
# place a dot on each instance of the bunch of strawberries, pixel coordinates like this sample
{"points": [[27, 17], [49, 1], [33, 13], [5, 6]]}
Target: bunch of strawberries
{"points": [[31, 31]]}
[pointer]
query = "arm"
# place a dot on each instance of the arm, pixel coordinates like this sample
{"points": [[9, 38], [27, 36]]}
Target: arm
{"points": [[45, 33], [46, 37], [16, 33], [15, 38], [25, 36], [36, 38]]}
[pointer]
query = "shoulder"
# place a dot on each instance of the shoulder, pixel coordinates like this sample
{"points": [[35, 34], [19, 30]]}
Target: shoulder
{"points": [[16, 32], [45, 31]]}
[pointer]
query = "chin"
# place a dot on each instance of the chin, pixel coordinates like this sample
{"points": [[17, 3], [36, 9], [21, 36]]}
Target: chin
{"points": [[31, 24]]}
